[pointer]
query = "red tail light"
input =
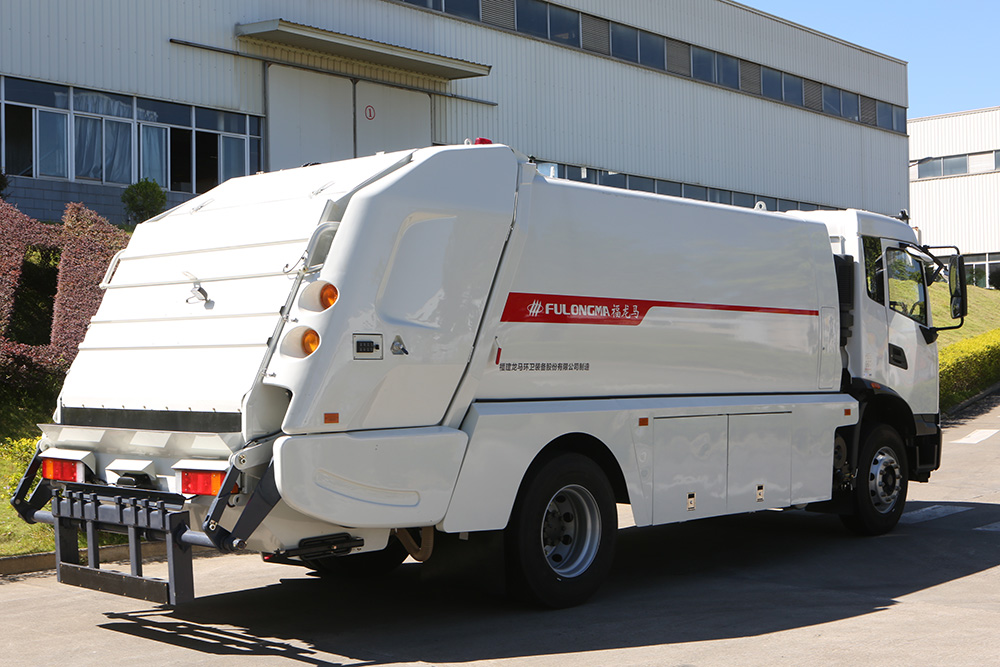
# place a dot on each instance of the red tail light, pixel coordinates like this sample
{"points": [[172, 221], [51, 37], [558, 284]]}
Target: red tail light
{"points": [[201, 482], [59, 470]]}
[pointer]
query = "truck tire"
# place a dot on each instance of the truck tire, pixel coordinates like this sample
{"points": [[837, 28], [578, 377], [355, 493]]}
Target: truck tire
{"points": [[560, 540], [880, 487], [367, 564]]}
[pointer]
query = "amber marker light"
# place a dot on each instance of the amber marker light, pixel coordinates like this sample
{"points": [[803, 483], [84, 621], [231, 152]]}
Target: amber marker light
{"points": [[310, 341], [328, 295]]}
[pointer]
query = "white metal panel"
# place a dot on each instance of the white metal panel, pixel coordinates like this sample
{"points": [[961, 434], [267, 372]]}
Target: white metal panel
{"points": [[959, 210], [955, 134], [391, 119], [310, 118], [689, 468]]}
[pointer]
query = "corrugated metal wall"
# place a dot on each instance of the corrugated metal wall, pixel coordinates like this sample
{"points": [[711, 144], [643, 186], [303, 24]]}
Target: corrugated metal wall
{"points": [[963, 210], [557, 103]]}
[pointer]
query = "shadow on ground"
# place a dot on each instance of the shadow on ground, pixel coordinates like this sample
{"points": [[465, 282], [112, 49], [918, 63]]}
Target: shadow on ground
{"points": [[713, 579]]}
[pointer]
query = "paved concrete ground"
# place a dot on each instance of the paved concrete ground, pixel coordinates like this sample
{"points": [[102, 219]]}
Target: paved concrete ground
{"points": [[772, 588]]}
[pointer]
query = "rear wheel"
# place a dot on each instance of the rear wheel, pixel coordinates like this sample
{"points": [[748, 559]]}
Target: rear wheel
{"points": [[367, 564], [881, 484], [561, 537]]}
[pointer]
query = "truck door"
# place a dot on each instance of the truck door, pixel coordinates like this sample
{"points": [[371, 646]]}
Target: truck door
{"points": [[912, 359]]}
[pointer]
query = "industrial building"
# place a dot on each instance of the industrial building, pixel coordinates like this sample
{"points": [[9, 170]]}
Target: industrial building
{"points": [[955, 187], [709, 99]]}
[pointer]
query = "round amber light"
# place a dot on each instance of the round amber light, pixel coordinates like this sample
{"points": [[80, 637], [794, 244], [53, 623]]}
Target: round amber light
{"points": [[328, 295], [310, 341]]}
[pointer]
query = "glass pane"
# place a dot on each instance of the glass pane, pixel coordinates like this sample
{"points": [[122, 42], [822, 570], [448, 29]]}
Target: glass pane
{"points": [[652, 50], [743, 199], [959, 164], [883, 112], [849, 105], [624, 42], [255, 163], [117, 152], [17, 149], [831, 100], [720, 196], [872, 247], [164, 112], [929, 169], [792, 88], [695, 192], [770, 83], [786, 205], [153, 154], [668, 188], [89, 143], [255, 124], [233, 158], [770, 202], [223, 121], [899, 119], [581, 174], [729, 70], [532, 18], [549, 169], [641, 183], [36, 92], [429, 4], [468, 9], [53, 145], [206, 161], [564, 25], [703, 64], [106, 104], [996, 159], [611, 179], [907, 293], [807, 207], [180, 160]]}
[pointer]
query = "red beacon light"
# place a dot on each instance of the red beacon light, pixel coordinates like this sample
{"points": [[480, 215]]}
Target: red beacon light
{"points": [[482, 141]]}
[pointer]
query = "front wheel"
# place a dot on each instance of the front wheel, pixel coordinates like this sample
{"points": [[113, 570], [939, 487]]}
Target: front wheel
{"points": [[880, 487], [561, 537]]}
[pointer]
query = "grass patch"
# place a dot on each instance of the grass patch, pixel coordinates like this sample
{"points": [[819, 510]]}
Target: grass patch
{"points": [[16, 536], [984, 313]]}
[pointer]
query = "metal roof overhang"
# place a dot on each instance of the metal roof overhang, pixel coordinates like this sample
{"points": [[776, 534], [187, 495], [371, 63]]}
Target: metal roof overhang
{"points": [[287, 33]]}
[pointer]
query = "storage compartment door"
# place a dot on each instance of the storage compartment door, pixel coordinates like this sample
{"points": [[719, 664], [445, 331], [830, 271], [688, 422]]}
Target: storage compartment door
{"points": [[689, 468]]}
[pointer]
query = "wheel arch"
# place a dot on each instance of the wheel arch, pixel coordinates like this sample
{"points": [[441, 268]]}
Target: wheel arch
{"points": [[882, 405], [586, 445]]}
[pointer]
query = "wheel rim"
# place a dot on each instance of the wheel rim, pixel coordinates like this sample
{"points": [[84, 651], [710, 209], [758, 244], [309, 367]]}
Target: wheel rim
{"points": [[571, 531], [884, 480]]}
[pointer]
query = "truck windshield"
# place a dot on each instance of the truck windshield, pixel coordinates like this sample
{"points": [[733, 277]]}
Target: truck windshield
{"points": [[907, 291]]}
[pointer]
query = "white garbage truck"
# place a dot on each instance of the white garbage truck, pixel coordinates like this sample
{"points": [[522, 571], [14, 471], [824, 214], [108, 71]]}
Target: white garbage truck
{"points": [[332, 364]]}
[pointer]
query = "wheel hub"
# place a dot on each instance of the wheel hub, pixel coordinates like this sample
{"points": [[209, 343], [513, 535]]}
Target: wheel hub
{"points": [[571, 531], [884, 480]]}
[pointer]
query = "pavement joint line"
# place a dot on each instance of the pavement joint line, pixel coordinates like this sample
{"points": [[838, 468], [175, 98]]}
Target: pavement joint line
{"points": [[932, 512]]}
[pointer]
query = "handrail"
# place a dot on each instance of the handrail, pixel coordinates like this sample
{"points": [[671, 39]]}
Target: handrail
{"points": [[111, 269]]}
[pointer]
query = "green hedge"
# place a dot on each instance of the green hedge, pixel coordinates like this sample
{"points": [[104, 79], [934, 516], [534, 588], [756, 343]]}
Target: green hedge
{"points": [[968, 367]]}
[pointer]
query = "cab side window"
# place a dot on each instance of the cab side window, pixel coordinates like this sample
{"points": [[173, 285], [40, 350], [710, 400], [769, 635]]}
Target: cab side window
{"points": [[872, 247], [907, 292]]}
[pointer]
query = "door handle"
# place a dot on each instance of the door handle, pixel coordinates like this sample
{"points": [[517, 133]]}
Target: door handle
{"points": [[897, 357]]}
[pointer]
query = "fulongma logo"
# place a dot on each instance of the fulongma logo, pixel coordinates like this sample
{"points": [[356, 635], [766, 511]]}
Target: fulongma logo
{"points": [[536, 307]]}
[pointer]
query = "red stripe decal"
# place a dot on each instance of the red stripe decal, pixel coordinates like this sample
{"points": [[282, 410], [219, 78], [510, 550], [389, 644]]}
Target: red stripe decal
{"points": [[562, 309]]}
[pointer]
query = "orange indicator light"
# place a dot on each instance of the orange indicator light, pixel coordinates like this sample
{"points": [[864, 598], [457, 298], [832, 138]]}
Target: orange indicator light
{"points": [[331, 418], [643, 421], [310, 341], [328, 295]]}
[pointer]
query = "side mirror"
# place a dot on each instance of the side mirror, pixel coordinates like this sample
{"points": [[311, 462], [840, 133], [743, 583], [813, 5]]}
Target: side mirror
{"points": [[957, 288]]}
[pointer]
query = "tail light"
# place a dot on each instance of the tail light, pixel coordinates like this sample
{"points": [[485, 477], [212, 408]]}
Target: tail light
{"points": [[310, 341], [61, 470], [328, 295], [203, 482]]}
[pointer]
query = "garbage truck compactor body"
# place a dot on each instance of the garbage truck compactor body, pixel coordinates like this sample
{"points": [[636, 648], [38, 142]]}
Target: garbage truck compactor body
{"points": [[331, 364]]}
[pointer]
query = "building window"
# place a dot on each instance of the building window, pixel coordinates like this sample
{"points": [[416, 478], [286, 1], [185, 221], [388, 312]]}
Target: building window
{"points": [[849, 106], [564, 25], [53, 144], [728, 70], [770, 83], [791, 87], [153, 154], [703, 64], [652, 50], [770, 203], [953, 166], [532, 18], [429, 4], [467, 9], [720, 196], [19, 131], [641, 183], [743, 199], [698, 192], [996, 159], [669, 188], [883, 111], [624, 42], [831, 100], [899, 119]]}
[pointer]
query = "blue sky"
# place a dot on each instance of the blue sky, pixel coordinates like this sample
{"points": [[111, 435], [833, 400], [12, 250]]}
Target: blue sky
{"points": [[951, 46]]}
